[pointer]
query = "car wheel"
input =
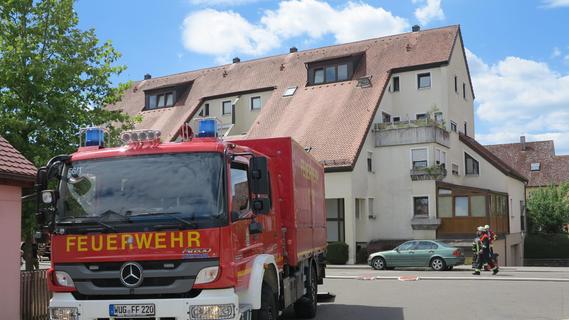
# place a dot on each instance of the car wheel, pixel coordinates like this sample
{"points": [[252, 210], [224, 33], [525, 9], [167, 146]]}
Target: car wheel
{"points": [[378, 263], [438, 264]]}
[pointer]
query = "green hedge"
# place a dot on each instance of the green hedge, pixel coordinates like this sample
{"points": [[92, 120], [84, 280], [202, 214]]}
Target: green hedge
{"points": [[337, 253], [547, 246]]}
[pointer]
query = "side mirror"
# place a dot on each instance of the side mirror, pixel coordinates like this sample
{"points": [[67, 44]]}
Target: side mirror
{"points": [[261, 205], [259, 175], [41, 179], [255, 227], [397, 249]]}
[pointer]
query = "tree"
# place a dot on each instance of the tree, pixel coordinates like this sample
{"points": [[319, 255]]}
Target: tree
{"points": [[548, 208], [54, 80]]}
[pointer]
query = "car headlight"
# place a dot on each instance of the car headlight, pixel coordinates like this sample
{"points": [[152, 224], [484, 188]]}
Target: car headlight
{"points": [[64, 279], [63, 313], [207, 275], [214, 311]]}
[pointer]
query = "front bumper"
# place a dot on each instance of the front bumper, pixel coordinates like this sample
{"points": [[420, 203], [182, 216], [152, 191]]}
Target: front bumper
{"points": [[165, 308]]}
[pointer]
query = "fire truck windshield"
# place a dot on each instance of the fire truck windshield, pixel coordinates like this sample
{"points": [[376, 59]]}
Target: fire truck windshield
{"points": [[186, 187]]}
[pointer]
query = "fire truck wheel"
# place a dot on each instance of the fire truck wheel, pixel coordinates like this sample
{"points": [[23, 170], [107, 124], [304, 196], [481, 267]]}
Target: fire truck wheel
{"points": [[268, 309], [305, 307]]}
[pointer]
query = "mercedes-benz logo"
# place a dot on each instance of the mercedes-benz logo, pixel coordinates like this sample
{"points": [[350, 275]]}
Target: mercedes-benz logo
{"points": [[131, 274]]}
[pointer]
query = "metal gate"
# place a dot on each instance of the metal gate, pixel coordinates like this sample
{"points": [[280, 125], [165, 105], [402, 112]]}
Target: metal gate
{"points": [[34, 296]]}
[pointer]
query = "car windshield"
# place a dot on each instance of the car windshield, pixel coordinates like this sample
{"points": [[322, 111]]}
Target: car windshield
{"points": [[185, 187]]}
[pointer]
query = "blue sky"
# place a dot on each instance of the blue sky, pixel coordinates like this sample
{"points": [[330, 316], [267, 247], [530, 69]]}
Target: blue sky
{"points": [[518, 51]]}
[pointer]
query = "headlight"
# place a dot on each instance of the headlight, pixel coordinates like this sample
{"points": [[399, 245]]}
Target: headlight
{"points": [[216, 311], [207, 275], [63, 313], [64, 279]]}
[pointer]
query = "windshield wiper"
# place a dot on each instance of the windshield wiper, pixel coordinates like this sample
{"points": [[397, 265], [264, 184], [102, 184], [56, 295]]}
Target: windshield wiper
{"points": [[169, 214]]}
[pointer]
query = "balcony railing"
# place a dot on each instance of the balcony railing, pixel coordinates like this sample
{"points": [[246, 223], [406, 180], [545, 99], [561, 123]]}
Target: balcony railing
{"points": [[436, 172], [410, 132]]}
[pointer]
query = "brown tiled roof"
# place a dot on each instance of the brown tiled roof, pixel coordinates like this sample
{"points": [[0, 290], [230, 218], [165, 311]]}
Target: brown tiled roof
{"points": [[13, 165], [332, 119], [490, 157], [553, 169]]}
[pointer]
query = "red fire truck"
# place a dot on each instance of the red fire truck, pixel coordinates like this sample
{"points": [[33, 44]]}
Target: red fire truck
{"points": [[197, 229]]}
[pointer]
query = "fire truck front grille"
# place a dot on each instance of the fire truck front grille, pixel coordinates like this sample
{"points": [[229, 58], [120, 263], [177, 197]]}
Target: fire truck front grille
{"points": [[160, 278]]}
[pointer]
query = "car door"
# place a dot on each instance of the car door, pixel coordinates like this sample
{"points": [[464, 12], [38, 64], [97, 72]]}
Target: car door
{"points": [[423, 253], [403, 254]]}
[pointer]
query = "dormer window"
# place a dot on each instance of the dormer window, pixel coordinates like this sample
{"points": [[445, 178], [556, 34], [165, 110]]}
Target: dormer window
{"points": [[332, 70], [164, 97]]}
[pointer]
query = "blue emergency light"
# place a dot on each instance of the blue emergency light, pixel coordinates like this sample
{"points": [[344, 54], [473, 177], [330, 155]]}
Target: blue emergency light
{"points": [[94, 137], [207, 128]]}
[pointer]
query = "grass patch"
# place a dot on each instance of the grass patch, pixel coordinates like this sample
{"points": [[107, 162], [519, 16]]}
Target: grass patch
{"points": [[547, 246]]}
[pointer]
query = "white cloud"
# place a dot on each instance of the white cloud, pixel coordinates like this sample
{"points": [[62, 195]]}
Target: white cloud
{"points": [[312, 19], [429, 12], [555, 3], [227, 3], [517, 97]]}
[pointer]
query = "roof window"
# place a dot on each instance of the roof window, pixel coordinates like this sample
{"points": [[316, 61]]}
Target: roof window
{"points": [[163, 97], [289, 91], [535, 166], [333, 69]]}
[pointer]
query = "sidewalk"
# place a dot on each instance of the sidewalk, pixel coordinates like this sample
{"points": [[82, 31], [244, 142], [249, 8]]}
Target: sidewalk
{"points": [[461, 268]]}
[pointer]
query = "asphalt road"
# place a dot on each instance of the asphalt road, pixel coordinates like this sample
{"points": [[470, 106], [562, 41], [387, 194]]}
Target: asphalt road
{"points": [[516, 293]]}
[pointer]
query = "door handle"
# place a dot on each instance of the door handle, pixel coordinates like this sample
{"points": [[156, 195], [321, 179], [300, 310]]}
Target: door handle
{"points": [[431, 251], [411, 252]]}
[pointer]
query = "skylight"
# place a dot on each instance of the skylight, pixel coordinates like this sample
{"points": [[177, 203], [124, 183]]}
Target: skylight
{"points": [[289, 91]]}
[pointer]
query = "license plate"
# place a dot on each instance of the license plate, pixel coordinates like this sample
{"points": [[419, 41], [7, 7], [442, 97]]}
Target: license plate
{"points": [[131, 310]]}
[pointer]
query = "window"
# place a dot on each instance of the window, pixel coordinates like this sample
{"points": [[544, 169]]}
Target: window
{"points": [[419, 158], [386, 117], [161, 101], [239, 188], [535, 166], [289, 91], [255, 103], [330, 74], [444, 203], [455, 169], [465, 128], [370, 161], [464, 91], [461, 206], [453, 126], [478, 206], [421, 116], [370, 208], [421, 206], [522, 215], [169, 99], [440, 157], [318, 76], [456, 84], [226, 107], [396, 119], [204, 112], [359, 208], [471, 165], [439, 117], [423, 80], [335, 219], [395, 84], [152, 102], [407, 245], [426, 245], [342, 72]]}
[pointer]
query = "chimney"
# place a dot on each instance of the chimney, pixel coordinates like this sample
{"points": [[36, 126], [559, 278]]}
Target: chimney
{"points": [[523, 143], [416, 28], [293, 50], [236, 60], [147, 76]]}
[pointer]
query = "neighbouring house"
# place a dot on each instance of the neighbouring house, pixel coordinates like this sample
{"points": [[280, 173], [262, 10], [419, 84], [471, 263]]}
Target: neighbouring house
{"points": [[16, 172], [391, 120], [535, 160]]}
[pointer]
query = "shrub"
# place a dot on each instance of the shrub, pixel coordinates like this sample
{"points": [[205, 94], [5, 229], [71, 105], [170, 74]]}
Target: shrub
{"points": [[361, 254], [547, 246], [337, 253]]}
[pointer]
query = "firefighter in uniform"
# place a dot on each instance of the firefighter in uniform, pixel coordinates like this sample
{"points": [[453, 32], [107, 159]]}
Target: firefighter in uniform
{"points": [[484, 255], [476, 246]]}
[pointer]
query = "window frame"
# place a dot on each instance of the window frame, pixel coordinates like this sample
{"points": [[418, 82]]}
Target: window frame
{"points": [[455, 84], [244, 166], [223, 113], [411, 158], [369, 162], [421, 114], [340, 219], [421, 75], [457, 167], [466, 174], [204, 112], [396, 84], [157, 94], [252, 104], [453, 126], [464, 90], [441, 151], [413, 198], [323, 75]]}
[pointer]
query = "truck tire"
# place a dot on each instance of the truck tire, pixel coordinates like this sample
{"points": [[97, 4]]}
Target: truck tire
{"points": [[268, 309], [305, 307]]}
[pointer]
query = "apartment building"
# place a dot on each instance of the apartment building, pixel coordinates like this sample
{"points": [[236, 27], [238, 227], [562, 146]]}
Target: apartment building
{"points": [[391, 120]]}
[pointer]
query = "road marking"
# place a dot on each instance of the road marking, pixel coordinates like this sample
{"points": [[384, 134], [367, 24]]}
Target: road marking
{"points": [[408, 278]]}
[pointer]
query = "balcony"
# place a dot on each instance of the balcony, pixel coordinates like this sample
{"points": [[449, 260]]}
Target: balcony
{"points": [[410, 132], [436, 172]]}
